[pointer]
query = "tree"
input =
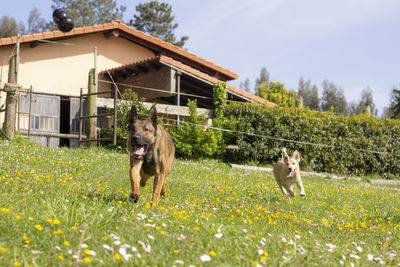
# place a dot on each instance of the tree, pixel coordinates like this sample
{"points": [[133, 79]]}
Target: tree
{"points": [[35, 22], [332, 97], [309, 93], [264, 78], [314, 99], [365, 101], [394, 108], [246, 85], [156, 19], [90, 12], [9, 27], [277, 93]]}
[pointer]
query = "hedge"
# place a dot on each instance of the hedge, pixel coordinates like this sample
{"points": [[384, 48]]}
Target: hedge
{"points": [[342, 144]]}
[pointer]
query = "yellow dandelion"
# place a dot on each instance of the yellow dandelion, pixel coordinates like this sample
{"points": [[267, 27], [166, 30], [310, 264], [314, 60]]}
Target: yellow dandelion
{"points": [[17, 263], [162, 232], [60, 257], [74, 228], [56, 221], [117, 256], [18, 217], [213, 254], [66, 243], [5, 211], [31, 219], [88, 259], [3, 250], [38, 227]]}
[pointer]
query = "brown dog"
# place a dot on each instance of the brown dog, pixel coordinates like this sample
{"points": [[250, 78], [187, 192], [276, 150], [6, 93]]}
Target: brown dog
{"points": [[152, 152], [287, 172]]}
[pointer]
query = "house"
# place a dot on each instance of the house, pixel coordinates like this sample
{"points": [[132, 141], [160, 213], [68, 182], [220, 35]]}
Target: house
{"points": [[57, 64]]}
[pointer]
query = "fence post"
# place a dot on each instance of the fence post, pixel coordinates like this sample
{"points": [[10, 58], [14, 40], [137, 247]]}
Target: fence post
{"points": [[91, 123], [11, 100]]}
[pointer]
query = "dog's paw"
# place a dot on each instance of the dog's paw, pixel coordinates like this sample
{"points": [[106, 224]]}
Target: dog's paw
{"points": [[134, 198], [303, 195]]}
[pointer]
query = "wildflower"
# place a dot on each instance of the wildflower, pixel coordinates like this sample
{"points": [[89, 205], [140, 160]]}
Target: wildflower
{"points": [[370, 257], [74, 228], [180, 262], [66, 243], [5, 211], [17, 263], [60, 257], [38, 227], [219, 235], [88, 259], [18, 217], [58, 232], [213, 254], [3, 250], [205, 258], [31, 219], [107, 247], [117, 256], [331, 247], [56, 221]]}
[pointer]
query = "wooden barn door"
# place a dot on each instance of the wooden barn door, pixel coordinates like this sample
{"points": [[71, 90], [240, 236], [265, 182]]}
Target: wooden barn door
{"points": [[45, 117]]}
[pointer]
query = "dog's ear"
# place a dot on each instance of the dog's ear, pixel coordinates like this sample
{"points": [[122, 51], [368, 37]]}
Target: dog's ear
{"points": [[296, 156], [132, 117], [152, 117], [285, 157]]}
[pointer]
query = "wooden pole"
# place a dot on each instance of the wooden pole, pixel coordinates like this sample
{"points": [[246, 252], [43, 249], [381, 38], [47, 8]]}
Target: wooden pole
{"points": [[91, 123], [115, 116], [178, 93], [11, 100]]}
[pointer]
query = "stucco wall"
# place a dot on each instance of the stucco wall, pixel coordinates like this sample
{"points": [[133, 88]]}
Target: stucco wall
{"points": [[58, 69]]}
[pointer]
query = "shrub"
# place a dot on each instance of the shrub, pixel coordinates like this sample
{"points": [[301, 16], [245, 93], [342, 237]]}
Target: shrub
{"points": [[193, 141], [327, 142]]}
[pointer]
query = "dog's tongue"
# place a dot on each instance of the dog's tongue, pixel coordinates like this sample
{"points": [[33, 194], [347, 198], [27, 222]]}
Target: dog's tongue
{"points": [[138, 152], [290, 174]]}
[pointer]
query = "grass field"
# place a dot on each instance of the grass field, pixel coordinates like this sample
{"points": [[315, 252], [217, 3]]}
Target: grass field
{"points": [[63, 207]]}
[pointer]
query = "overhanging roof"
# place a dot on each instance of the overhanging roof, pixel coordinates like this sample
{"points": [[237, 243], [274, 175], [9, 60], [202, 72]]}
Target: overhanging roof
{"points": [[191, 72]]}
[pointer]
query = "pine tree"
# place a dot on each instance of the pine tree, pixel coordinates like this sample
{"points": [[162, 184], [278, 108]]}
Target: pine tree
{"points": [[156, 19]]}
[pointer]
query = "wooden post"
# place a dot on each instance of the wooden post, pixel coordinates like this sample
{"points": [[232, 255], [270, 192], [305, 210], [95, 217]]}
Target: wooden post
{"points": [[11, 100], [178, 93], [115, 116], [91, 123]]}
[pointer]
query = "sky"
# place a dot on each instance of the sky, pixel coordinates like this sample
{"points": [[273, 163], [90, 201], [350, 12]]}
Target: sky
{"points": [[353, 43]]}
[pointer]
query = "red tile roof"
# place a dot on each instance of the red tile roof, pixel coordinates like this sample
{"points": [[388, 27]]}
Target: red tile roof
{"points": [[202, 75], [144, 38]]}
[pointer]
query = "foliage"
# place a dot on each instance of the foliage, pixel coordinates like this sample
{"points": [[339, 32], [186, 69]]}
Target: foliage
{"points": [[35, 22], [129, 99], [277, 93], [309, 94], [156, 19], [333, 98], [9, 27], [70, 207], [220, 96], [394, 107], [90, 12], [345, 141], [192, 140]]}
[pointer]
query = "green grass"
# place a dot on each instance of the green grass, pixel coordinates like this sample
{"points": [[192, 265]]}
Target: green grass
{"points": [[63, 207]]}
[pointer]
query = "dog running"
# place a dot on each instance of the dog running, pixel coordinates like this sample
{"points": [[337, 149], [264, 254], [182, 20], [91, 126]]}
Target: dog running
{"points": [[152, 152], [287, 172]]}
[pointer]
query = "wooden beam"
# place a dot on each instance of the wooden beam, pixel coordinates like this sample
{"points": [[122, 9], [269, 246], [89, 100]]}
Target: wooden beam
{"points": [[161, 108]]}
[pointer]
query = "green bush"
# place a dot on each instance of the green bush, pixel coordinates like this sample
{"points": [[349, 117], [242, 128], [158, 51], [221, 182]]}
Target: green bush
{"points": [[341, 144], [193, 141]]}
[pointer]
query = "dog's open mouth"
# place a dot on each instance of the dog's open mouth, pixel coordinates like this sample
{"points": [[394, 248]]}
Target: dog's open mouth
{"points": [[290, 174], [139, 151]]}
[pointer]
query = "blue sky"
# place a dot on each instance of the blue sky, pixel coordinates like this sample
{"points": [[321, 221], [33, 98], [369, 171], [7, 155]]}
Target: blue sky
{"points": [[354, 43]]}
